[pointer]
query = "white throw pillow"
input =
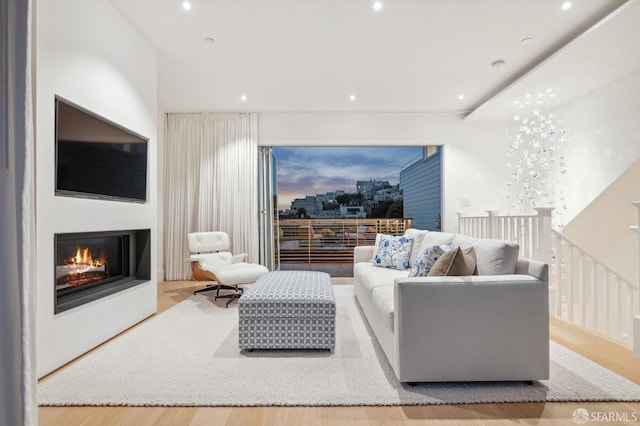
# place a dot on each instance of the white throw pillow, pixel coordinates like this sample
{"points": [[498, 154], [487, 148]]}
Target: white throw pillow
{"points": [[393, 252]]}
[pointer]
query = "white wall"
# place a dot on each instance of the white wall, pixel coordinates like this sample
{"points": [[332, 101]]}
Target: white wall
{"points": [[603, 173], [475, 171], [602, 141], [89, 54], [602, 228]]}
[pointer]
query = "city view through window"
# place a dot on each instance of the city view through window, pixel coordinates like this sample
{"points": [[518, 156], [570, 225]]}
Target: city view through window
{"points": [[342, 182]]}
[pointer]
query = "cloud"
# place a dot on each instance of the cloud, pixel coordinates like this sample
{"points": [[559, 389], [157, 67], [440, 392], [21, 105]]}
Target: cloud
{"points": [[316, 170]]}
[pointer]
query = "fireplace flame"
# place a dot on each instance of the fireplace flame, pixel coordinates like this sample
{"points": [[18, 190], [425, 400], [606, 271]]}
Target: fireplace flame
{"points": [[83, 257], [81, 268]]}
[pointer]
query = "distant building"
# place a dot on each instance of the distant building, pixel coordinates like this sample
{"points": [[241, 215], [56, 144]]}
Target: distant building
{"points": [[327, 214], [308, 204], [353, 212], [421, 185], [368, 188], [393, 193], [373, 192]]}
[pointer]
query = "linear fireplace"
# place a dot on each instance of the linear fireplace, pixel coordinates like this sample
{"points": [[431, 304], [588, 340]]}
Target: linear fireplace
{"points": [[92, 265]]}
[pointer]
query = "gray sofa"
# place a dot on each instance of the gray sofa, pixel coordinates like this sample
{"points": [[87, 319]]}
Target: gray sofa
{"points": [[493, 326]]}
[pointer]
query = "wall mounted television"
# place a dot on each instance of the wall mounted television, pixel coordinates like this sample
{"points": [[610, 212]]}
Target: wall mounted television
{"points": [[96, 158]]}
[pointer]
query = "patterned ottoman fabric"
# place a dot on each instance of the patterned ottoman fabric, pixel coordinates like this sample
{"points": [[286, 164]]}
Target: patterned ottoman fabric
{"points": [[288, 310]]}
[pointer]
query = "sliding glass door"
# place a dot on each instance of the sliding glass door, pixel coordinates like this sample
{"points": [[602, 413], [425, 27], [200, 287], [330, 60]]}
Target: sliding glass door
{"points": [[268, 208], [329, 199]]}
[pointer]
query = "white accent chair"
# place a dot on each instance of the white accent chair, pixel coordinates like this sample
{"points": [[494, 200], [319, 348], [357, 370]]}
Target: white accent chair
{"points": [[211, 261]]}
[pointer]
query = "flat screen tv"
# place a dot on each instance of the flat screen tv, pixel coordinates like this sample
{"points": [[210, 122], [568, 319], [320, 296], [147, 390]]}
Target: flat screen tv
{"points": [[96, 158]]}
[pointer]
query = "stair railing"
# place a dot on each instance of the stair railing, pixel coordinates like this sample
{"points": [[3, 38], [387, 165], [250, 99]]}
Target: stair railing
{"points": [[589, 294], [582, 290], [530, 231]]}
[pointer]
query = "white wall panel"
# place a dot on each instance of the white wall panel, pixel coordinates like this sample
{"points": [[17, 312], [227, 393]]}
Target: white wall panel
{"points": [[89, 54]]}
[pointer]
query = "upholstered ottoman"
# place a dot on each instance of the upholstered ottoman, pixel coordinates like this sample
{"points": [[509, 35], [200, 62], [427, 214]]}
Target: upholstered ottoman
{"points": [[288, 310]]}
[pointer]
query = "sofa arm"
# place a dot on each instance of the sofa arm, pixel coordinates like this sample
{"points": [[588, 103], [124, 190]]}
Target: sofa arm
{"points": [[534, 268], [362, 254], [471, 328]]}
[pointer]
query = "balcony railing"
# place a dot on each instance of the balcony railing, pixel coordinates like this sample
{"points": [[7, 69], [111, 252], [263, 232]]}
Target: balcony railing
{"points": [[331, 240]]}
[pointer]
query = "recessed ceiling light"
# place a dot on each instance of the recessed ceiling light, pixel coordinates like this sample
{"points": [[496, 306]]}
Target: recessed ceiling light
{"points": [[352, 97], [243, 98], [209, 40], [377, 6], [566, 5], [460, 97], [186, 5]]}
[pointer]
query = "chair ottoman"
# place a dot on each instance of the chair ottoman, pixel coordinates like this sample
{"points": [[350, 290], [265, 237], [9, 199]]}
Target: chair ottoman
{"points": [[288, 310]]}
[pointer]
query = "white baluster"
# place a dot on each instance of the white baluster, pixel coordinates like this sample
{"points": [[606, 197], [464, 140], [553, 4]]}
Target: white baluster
{"points": [[607, 327], [544, 234], [629, 316], [594, 307], [570, 281], [583, 304], [559, 286], [636, 319], [525, 233], [616, 302], [491, 223]]}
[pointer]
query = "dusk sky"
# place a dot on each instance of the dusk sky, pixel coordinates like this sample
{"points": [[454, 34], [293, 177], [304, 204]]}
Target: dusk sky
{"points": [[315, 170]]}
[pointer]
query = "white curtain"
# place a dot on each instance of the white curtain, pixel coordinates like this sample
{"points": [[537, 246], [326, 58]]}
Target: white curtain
{"points": [[210, 183], [18, 382], [28, 294]]}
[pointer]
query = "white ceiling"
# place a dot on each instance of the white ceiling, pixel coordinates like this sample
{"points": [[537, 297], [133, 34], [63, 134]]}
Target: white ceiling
{"points": [[412, 56]]}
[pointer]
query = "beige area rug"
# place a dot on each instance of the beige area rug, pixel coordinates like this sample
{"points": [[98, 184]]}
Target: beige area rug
{"points": [[188, 356]]}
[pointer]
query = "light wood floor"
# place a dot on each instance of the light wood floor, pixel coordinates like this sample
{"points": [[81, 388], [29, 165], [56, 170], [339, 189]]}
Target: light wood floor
{"points": [[602, 351]]}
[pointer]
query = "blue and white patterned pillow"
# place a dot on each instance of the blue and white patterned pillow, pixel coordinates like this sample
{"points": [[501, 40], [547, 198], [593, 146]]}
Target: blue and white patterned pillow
{"points": [[393, 252], [427, 259]]}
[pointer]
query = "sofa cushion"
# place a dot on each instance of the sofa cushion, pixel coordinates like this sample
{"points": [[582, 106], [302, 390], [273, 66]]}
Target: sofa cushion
{"points": [[369, 277], [382, 299], [456, 262], [418, 236], [435, 239], [494, 257], [393, 252]]}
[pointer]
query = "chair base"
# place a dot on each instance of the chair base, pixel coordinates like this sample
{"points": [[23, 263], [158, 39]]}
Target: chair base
{"points": [[231, 297], [218, 287]]}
